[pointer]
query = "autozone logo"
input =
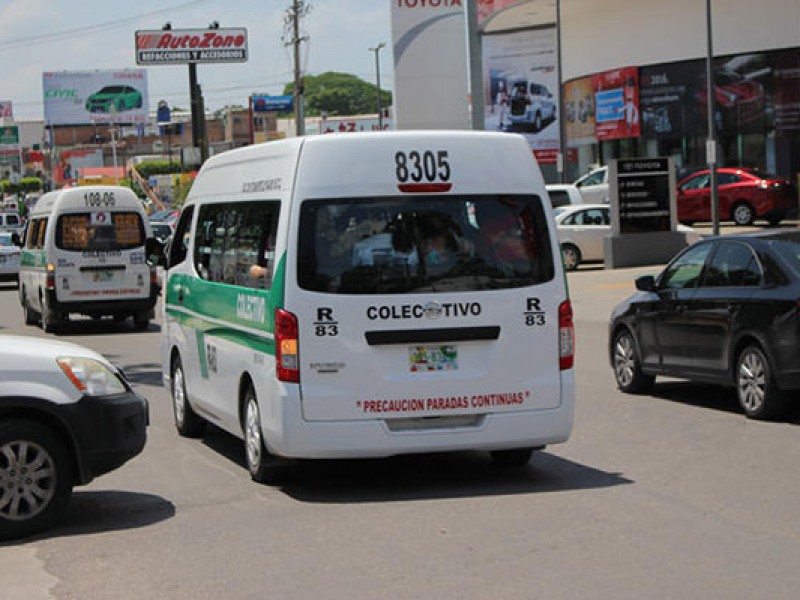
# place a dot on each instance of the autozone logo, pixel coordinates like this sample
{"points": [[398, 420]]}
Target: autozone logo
{"points": [[203, 40]]}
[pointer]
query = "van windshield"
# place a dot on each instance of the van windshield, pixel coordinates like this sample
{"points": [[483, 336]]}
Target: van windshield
{"points": [[410, 244], [100, 231]]}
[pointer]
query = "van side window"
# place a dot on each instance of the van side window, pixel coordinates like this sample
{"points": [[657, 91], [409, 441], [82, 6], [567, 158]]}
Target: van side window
{"points": [[235, 243], [180, 239], [35, 238]]}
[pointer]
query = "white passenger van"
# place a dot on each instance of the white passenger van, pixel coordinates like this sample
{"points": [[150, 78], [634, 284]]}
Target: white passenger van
{"points": [[367, 295], [85, 252]]}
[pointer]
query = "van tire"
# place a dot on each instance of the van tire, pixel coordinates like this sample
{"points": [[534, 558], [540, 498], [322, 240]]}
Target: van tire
{"points": [[27, 311], [187, 422], [51, 493], [141, 321], [516, 457], [260, 462], [50, 319], [571, 256]]}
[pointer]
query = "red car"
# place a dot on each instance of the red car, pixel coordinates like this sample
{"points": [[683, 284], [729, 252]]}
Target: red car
{"points": [[744, 196]]}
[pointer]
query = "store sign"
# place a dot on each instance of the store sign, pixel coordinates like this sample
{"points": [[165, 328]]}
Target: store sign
{"points": [[642, 190], [9, 140], [95, 97], [6, 111], [181, 46], [273, 103]]}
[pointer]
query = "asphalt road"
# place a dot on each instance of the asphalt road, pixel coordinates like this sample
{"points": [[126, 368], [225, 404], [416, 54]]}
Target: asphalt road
{"points": [[673, 495]]}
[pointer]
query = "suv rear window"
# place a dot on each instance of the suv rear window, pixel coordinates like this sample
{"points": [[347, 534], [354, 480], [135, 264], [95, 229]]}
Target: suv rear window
{"points": [[95, 232], [397, 245]]}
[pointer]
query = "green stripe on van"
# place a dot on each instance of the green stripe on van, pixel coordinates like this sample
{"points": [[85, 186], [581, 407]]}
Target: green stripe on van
{"points": [[33, 258]]}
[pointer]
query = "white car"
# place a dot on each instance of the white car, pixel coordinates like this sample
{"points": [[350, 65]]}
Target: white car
{"points": [[67, 415], [582, 229], [9, 257], [594, 186], [11, 222], [564, 194]]}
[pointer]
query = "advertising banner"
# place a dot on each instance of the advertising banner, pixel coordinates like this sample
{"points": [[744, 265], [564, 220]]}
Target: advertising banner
{"points": [[95, 97], [6, 111], [486, 8], [522, 87], [616, 101], [9, 143], [668, 100], [579, 111], [431, 86], [183, 46], [263, 103], [70, 163], [785, 67]]}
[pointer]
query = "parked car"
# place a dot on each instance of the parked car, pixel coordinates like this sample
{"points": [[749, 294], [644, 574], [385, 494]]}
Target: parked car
{"points": [[114, 97], [744, 196], [594, 186], [12, 222], [723, 311], [67, 415], [531, 106], [563, 194], [168, 216], [9, 256], [582, 229], [161, 230]]}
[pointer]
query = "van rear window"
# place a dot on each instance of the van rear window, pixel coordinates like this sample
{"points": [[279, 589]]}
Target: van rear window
{"points": [[100, 231], [412, 244]]}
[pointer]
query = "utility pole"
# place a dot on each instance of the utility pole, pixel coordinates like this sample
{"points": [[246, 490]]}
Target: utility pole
{"points": [[711, 142], [297, 11], [377, 50]]}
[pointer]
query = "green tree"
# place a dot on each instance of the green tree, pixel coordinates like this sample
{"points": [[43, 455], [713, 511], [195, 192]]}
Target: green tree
{"points": [[339, 94]]}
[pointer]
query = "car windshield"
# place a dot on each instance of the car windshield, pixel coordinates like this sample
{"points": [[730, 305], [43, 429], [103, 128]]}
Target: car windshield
{"points": [[421, 244], [99, 231], [111, 89], [5, 240]]}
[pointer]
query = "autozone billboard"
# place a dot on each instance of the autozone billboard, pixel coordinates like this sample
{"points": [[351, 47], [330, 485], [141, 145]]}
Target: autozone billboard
{"points": [[181, 46], [95, 97]]}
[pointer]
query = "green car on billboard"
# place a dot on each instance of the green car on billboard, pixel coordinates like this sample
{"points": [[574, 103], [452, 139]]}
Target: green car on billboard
{"points": [[114, 98]]}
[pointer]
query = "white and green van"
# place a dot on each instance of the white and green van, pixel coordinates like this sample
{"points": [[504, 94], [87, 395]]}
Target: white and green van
{"points": [[85, 252], [368, 295]]}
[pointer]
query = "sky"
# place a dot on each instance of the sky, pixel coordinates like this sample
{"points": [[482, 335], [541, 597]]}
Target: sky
{"points": [[76, 35]]}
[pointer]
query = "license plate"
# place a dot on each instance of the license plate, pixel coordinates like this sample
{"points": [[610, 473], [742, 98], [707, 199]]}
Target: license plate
{"points": [[102, 276], [429, 359]]}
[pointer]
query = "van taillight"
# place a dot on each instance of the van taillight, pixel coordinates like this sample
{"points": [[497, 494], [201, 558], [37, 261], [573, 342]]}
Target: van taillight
{"points": [[286, 359], [50, 281], [153, 277], [566, 336]]}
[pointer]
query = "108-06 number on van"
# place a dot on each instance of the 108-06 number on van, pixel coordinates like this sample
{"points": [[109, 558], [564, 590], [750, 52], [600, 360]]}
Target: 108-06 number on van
{"points": [[427, 165], [99, 199]]}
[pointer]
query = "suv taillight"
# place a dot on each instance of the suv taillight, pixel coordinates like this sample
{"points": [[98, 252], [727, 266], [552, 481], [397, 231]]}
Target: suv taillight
{"points": [[286, 360], [566, 336]]}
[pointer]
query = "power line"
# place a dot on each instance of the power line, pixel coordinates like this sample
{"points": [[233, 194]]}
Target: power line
{"points": [[59, 36]]}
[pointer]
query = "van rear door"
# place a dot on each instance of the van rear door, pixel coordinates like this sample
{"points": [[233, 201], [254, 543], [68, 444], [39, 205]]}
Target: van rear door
{"points": [[100, 255], [423, 306]]}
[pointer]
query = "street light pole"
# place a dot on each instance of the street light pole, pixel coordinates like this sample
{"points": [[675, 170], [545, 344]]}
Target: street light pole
{"points": [[711, 143], [377, 50]]}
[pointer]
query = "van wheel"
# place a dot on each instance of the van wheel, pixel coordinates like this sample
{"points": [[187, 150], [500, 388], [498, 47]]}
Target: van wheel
{"points": [[627, 369], [27, 311], [758, 396], [571, 255], [50, 319], [36, 476], [141, 321], [516, 457], [187, 422], [260, 462]]}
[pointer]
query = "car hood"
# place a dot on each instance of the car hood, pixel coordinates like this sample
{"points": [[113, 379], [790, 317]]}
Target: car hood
{"points": [[20, 347]]}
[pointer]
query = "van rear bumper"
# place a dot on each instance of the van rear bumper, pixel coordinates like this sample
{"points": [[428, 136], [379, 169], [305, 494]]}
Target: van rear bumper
{"points": [[105, 307], [298, 438]]}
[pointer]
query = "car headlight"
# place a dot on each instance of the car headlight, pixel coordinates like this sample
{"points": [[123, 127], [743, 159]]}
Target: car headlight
{"points": [[90, 377]]}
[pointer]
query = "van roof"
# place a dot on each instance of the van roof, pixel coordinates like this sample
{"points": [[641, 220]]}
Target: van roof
{"points": [[74, 198]]}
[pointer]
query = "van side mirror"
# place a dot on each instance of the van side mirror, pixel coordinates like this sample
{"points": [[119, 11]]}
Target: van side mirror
{"points": [[154, 250], [646, 283]]}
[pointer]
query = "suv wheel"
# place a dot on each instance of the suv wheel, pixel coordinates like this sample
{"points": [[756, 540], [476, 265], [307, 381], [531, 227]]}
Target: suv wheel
{"points": [[35, 478]]}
